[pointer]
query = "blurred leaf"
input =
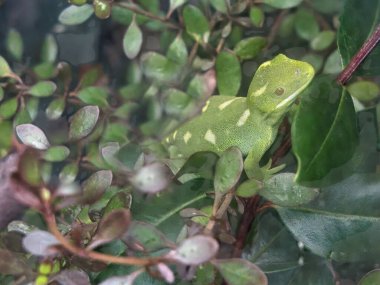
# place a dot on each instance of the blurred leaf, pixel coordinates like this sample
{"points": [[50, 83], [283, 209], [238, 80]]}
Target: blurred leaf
{"points": [[201, 163], [32, 136], [177, 51], [283, 191], [12, 263], [83, 122], [357, 23], [228, 170], [324, 133], [8, 108], [333, 64], [323, 40], [196, 24], [49, 49], [94, 96], [287, 26], [228, 74], [112, 226], [102, 8], [257, 16], [282, 4], [120, 200], [56, 153], [249, 48], [249, 188], [175, 101], [145, 237], [364, 90], [240, 272], [32, 105], [306, 25], [5, 70], [371, 278], [132, 40], [122, 280], [165, 272], [55, 108], [42, 89], [1, 94], [219, 5], [159, 68], [68, 173], [78, 2], [39, 242], [95, 186], [152, 178], [75, 15], [22, 117], [14, 44], [6, 138], [195, 250], [44, 70], [72, 277], [174, 4], [315, 60]]}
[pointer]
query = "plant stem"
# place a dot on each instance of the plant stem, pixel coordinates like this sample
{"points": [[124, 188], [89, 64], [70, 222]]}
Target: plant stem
{"points": [[357, 59], [275, 27]]}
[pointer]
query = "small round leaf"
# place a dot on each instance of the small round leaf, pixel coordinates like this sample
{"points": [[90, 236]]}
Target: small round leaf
{"points": [[75, 15], [83, 122], [32, 136], [38, 243], [42, 89]]}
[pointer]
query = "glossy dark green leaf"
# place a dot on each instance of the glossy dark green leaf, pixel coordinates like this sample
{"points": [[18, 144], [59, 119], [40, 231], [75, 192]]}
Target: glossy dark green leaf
{"points": [[324, 132], [201, 164], [357, 22], [42, 89], [94, 96], [249, 48], [56, 153], [371, 278], [102, 8], [55, 108], [83, 122], [283, 4], [32, 136], [132, 40], [95, 185], [228, 170], [238, 271], [177, 51], [323, 40], [75, 15], [5, 70], [49, 49], [306, 25], [14, 44], [8, 108], [196, 23], [364, 90], [228, 74], [257, 16], [158, 67]]}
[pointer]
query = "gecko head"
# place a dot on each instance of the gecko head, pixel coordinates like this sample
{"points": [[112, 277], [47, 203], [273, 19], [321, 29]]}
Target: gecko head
{"points": [[277, 84]]}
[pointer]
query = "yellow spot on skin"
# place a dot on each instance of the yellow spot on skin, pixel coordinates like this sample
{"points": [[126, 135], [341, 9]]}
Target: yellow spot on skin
{"points": [[225, 104], [261, 90], [174, 135], [206, 106], [210, 137], [187, 136], [243, 118]]}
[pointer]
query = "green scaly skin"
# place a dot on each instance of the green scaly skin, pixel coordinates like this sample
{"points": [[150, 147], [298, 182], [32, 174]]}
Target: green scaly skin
{"points": [[249, 123]]}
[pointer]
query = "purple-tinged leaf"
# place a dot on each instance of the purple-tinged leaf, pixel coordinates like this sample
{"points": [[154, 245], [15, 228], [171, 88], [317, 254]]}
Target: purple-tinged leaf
{"points": [[12, 263], [39, 243], [122, 280], [152, 178], [165, 272], [95, 186], [32, 136], [83, 122], [72, 277]]}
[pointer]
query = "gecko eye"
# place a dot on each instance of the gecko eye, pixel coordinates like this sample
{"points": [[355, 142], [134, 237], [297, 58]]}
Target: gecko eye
{"points": [[279, 91]]}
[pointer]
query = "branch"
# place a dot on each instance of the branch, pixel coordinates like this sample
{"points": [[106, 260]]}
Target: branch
{"points": [[366, 48]]}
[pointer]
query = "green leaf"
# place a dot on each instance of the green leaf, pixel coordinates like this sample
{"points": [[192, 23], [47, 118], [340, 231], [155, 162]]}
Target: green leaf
{"points": [[42, 89], [196, 24], [159, 68], [324, 131], [228, 74], [333, 64], [323, 40], [102, 8], [371, 278], [94, 96], [32, 136], [249, 48], [228, 170], [348, 211], [121, 200], [6, 138], [8, 108], [132, 40], [78, 2], [257, 16], [75, 15], [357, 22], [94, 187], [5, 70], [22, 117], [219, 5], [177, 51], [282, 4], [306, 25], [55, 108], [83, 122], [238, 271], [283, 191], [68, 173], [174, 4], [1, 94], [364, 90], [249, 188], [56, 153], [14, 44], [315, 60], [175, 101], [49, 49], [44, 70]]}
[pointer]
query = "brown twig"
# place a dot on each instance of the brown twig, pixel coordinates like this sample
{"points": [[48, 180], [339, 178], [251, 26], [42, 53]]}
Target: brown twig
{"points": [[275, 27], [357, 59]]}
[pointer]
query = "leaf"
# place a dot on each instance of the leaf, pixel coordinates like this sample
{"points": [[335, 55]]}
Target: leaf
{"points": [[357, 22], [75, 15], [333, 64], [102, 8], [49, 49], [72, 277], [177, 51], [56, 153], [94, 96], [323, 40], [5, 70], [228, 74], [306, 25], [159, 68], [238, 271], [12, 263], [175, 101], [55, 108], [257, 16], [1, 94], [32, 136], [83, 122], [249, 48], [8, 108], [364, 90], [348, 211], [42, 89], [196, 24], [201, 163], [39, 242], [371, 278], [44, 70], [112, 226], [68, 173], [95, 186], [324, 131], [145, 237], [249, 188], [120, 200], [152, 178], [132, 40], [282, 4], [219, 5], [165, 272], [195, 250], [14, 44], [283, 191], [228, 170], [174, 4], [122, 280]]}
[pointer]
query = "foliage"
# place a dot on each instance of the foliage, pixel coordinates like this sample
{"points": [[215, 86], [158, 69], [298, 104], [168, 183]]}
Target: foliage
{"points": [[105, 201]]}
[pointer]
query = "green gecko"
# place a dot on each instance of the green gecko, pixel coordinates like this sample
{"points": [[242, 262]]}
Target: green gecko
{"points": [[249, 123]]}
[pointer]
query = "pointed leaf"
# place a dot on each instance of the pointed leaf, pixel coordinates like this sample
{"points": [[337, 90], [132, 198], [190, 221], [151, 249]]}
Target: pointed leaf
{"points": [[152, 178], [159, 68], [257, 16], [196, 23], [55, 108], [14, 44], [174, 4], [94, 96], [32, 136], [42, 89], [132, 40], [68, 173], [5, 70], [228, 74], [177, 51], [75, 15], [49, 49], [95, 186], [38, 243], [306, 24], [83, 122]]}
